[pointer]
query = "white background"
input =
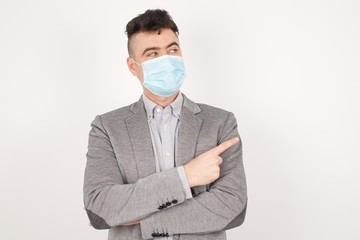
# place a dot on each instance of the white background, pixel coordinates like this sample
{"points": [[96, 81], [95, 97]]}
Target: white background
{"points": [[289, 70]]}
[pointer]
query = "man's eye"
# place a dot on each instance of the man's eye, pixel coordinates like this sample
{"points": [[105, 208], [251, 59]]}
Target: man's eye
{"points": [[173, 50], [152, 54]]}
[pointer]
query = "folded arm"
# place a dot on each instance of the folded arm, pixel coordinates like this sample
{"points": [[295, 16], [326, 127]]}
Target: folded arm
{"points": [[109, 201]]}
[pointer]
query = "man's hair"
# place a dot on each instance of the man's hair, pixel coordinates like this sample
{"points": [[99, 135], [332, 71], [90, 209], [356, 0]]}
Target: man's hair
{"points": [[150, 21]]}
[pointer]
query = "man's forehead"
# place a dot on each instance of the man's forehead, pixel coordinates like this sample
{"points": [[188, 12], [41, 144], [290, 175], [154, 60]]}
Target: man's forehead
{"points": [[161, 38]]}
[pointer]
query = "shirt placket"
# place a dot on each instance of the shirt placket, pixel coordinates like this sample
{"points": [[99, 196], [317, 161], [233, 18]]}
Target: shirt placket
{"points": [[167, 143]]}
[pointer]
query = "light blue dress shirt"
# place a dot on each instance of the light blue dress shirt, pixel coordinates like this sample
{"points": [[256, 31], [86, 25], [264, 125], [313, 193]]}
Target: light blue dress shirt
{"points": [[163, 125]]}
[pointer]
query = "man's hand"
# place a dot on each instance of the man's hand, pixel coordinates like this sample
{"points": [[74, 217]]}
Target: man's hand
{"points": [[205, 168]]}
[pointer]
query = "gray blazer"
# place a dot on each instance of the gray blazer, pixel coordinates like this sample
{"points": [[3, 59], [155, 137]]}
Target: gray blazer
{"points": [[121, 184]]}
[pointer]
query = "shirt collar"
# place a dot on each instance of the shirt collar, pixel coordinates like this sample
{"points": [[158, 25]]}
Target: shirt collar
{"points": [[150, 106]]}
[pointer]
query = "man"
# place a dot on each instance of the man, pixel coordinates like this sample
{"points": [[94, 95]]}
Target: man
{"points": [[163, 167]]}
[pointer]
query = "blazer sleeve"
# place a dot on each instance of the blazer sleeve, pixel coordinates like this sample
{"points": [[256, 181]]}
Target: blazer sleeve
{"points": [[108, 200], [221, 207]]}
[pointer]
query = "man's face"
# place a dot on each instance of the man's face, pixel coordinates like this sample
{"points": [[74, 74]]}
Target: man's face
{"points": [[148, 45]]}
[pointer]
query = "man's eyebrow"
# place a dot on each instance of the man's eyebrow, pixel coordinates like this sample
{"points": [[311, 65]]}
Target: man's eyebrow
{"points": [[172, 44], [149, 49], [157, 48]]}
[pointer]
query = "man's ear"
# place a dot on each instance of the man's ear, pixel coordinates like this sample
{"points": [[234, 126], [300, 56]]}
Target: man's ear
{"points": [[131, 65]]}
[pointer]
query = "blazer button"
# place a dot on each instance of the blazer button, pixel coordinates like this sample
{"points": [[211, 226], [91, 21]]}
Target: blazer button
{"points": [[161, 207], [168, 203], [164, 206], [174, 201], [153, 234], [162, 234], [166, 235]]}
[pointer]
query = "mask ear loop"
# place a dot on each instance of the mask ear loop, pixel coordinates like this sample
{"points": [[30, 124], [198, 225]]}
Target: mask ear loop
{"points": [[135, 61], [141, 67]]}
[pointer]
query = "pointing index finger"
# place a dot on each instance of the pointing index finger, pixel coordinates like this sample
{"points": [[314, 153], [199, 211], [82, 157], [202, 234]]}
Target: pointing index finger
{"points": [[224, 146]]}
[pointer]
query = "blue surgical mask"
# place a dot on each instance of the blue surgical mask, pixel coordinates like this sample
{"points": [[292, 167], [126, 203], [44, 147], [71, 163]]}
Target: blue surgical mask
{"points": [[164, 75]]}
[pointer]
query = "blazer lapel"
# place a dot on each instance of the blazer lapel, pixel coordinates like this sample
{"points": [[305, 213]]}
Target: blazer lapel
{"points": [[140, 137], [188, 132], [141, 140]]}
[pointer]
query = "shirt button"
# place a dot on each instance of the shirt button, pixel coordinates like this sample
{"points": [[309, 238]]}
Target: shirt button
{"points": [[158, 109], [165, 126], [167, 154]]}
